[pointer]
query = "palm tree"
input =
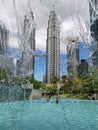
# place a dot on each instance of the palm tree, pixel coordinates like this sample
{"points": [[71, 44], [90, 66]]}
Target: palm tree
{"points": [[64, 83], [54, 81]]}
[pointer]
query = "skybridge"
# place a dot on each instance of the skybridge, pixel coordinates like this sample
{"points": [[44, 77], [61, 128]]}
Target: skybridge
{"points": [[40, 55]]}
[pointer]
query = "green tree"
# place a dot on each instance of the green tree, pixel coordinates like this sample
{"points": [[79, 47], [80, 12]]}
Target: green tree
{"points": [[90, 83], [76, 85], [65, 83], [54, 82], [36, 84]]}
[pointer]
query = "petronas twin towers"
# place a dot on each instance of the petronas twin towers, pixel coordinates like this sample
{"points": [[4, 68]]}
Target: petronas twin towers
{"points": [[53, 48]]}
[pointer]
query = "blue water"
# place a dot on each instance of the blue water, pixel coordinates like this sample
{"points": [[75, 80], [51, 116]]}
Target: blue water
{"points": [[42, 115]]}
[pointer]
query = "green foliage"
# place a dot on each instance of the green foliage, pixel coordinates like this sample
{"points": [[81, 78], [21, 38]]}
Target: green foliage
{"points": [[5, 74], [82, 85], [64, 78], [36, 84], [51, 89], [54, 80], [77, 85], [75, 96], [90, 84], [44, 87]]}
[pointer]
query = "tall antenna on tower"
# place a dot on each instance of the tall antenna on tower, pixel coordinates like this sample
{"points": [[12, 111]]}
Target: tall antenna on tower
{"points": [[54, 7]]}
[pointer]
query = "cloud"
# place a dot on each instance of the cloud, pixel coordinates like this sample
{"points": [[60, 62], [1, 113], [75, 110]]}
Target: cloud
{"points": [[68, 12], [41, 39], [13, 42]]}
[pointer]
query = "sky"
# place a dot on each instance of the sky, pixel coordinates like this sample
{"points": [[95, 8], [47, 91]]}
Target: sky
{"points": [[40, 62], [72, 14]]}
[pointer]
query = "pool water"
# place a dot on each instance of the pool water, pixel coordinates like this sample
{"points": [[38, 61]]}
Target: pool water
{"points": [[42, 115]]}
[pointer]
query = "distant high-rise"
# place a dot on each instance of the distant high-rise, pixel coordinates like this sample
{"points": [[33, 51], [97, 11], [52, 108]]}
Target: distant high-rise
{"points": [[94, 30], [53, 47], [26, 62], [4, 34], [44, 79], [72, 57], [83, 68]]}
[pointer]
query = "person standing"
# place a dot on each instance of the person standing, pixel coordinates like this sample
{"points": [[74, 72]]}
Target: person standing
{"points": [[57, 99]]}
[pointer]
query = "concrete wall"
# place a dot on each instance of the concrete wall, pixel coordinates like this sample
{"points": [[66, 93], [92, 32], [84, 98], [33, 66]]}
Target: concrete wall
{"points": [[35, 94]]}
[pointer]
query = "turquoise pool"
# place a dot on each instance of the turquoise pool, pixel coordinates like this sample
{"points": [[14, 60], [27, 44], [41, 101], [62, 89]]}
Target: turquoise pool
{"points": [[42, 115]]}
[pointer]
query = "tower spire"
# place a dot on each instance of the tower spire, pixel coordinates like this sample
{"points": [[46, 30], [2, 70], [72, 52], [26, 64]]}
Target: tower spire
{"points": [[54, 9]]}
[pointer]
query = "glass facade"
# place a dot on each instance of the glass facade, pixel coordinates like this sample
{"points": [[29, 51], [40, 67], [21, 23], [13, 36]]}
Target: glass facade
{"points": [[73, 57], [94, 30], [53, 48]]}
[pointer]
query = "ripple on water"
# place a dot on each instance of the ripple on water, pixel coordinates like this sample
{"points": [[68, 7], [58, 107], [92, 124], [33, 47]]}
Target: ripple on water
{"points": [[40, 115]]}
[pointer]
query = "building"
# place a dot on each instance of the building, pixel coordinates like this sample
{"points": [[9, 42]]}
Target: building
{"points": [[26, 62], [83, 68], [93, 4], [53, 47], [73, 57], [44, 79], [4, 34], [18, 67], [7, 62]]}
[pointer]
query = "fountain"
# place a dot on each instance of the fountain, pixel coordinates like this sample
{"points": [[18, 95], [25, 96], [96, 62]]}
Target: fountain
{"points": [[13, 89], [18, 113]]}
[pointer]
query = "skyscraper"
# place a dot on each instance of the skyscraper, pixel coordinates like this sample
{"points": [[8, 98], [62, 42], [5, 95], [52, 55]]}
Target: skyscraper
{"points": [[94, 30], [4, 36], [72, 57], [83, 68], [53, 47], [26, 62]]}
